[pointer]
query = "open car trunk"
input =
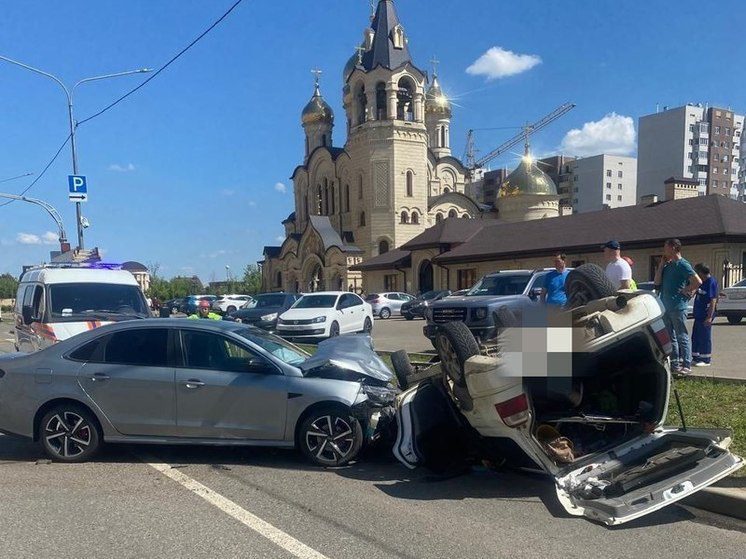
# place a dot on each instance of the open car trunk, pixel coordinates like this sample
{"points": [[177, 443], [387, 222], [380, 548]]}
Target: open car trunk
{"points": [[623, 464]]}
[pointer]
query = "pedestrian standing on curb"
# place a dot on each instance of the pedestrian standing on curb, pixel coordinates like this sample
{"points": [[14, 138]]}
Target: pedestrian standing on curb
{"points": [[617, 270], [676, 281], [553, 292], [705, 302], [632, 282]]}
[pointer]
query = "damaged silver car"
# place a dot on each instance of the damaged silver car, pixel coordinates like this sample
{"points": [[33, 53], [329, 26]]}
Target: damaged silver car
{"points": [[581, 397], [196, 382]]}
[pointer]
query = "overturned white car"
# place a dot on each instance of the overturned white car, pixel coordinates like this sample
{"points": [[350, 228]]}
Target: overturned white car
{"points": [[590, 414]]}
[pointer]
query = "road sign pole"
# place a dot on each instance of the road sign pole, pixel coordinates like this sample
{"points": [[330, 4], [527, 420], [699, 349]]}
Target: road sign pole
{"points": [[78, 209]]}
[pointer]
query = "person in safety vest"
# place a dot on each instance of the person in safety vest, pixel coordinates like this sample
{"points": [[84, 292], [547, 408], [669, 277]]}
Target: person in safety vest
{"points": [[203, 311]]}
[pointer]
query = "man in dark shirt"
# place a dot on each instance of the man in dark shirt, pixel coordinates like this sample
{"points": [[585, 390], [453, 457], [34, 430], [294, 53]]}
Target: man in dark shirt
{"points": [[704, 312]]}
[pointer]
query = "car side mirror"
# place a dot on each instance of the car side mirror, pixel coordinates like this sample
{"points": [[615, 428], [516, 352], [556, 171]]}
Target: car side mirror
{"points": [[258, 365], [26, 314], [535, 293]]}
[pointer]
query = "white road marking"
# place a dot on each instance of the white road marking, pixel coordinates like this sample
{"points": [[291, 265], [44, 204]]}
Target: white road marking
{"points": [[261, 527]]}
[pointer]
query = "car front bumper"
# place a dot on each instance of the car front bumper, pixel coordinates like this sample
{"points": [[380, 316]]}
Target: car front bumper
{"points": [[480, 332]]}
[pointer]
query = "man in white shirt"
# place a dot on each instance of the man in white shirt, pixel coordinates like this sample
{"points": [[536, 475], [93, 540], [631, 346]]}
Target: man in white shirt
{"points": [[617, 270]]}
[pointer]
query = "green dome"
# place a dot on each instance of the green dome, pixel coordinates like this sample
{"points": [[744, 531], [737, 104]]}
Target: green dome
{"points": [[527, 178]]}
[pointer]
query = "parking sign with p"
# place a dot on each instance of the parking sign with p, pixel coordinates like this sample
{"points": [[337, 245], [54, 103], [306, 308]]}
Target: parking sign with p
{"points": [[77, 188]]}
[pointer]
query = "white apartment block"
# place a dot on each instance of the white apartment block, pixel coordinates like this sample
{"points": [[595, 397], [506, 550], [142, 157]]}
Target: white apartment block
{"points": [[602, 181], [692, 142]]}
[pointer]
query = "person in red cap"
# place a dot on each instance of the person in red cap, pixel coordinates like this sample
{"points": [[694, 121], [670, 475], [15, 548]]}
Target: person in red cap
{"points": [[203, 311]]}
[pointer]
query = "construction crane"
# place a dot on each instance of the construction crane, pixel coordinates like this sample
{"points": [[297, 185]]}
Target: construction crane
{"points": [[472, 163]]}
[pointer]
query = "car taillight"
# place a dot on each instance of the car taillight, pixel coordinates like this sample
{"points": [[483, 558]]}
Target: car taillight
{"points": [[660, 331], [513, 412]]}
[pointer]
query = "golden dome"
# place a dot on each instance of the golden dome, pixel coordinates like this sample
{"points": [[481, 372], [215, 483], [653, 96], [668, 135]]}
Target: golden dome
{"points": [[435, 100], [317, 110], [527, 178], [350, 67]]}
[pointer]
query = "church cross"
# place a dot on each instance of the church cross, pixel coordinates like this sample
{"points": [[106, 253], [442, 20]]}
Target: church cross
{"points": [[316, 72], [360, 50], [434, 61]]}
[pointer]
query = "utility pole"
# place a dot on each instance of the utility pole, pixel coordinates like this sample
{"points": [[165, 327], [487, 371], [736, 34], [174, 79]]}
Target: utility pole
{"points": [[69, 93]]}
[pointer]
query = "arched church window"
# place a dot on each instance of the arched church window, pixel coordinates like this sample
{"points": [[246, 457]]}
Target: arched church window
{"points": [[333, 197], [347, 197], [404, 217], [326, 197], [410, 183], [383, 247], [362, 219], [405, 100], [397, 37], [360, 188], [362, 104], [319, 200], [438, 217], [381, 112], [415, 217], [452, 213], [465, 216], [443, 137], [278, 279], [446, 190]]}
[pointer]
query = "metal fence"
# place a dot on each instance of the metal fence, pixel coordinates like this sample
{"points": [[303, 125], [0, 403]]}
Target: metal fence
{"points": [[732, 273]]}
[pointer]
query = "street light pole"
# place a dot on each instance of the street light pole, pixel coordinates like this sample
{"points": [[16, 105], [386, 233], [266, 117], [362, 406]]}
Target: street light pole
{"points": [[70, 113]]}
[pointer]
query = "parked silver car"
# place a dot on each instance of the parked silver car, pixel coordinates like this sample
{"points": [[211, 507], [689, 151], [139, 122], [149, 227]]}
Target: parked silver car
{"points": [[387, 304], [197, 381]]}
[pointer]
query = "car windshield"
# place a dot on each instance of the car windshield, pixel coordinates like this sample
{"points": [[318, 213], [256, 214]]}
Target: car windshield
{"points": [[315, 302], [91, 299], [429, 295], [283, 350], [264, 301], [371, 296], [500, 284], [741, 283]]}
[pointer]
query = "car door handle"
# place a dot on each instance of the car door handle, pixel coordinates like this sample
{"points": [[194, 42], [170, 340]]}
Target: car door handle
{"points": [[99, 376], [194, 383]]}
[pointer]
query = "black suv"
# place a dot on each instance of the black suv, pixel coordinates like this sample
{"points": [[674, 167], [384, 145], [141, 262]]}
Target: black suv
{"points": [[481, 308], [417, 307], [264, 310]]}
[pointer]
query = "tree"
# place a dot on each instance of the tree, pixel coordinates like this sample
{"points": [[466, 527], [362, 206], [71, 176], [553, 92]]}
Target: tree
{"points": [[252, 279], [8, 286]]}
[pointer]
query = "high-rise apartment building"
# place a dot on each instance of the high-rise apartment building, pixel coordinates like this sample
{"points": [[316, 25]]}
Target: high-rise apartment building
{"points": [[691, 142], [599, 182]]}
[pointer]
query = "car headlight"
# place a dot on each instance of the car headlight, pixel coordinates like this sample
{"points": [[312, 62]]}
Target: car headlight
{"points": [[318, 320], [272, 316], [480, 313], [379, 394]]}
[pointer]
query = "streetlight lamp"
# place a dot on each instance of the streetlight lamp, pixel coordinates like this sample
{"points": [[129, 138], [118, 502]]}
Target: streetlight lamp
{"points": [[69, 93]]}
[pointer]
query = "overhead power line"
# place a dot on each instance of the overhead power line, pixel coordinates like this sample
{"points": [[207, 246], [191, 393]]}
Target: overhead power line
{"points": [[162, 68]]}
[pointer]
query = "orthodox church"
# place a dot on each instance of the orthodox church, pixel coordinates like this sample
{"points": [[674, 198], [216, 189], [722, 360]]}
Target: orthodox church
{"points": [[395, 176]]}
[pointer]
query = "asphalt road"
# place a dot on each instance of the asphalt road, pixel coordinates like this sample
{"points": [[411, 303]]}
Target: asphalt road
{"points": [[118, 506]]}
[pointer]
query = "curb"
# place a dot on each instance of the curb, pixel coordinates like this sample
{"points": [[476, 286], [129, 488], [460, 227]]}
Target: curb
{"points": [[721, 500]]}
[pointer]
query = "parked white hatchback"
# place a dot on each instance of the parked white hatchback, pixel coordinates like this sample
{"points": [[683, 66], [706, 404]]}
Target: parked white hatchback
{"points": [[231, 303], [732, 302], [325, 315]]}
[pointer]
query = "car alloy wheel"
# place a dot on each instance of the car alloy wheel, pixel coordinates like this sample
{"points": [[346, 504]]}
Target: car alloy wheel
{"points": [[368, 325], [69, 434], [330, 438], [230, 309], [385, 313]]}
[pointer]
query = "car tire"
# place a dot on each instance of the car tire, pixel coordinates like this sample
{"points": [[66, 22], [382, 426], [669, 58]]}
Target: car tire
{"points": [[587, 283], [734, 319], [69, 433], [334, 329], [455, 344], [408, 317], [367, 325], [333, 425], [403, 368], [230, 309], [384, 313]]}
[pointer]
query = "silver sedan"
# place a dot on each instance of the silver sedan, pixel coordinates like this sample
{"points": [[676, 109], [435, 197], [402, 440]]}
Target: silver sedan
{"points": [[197, 381]]}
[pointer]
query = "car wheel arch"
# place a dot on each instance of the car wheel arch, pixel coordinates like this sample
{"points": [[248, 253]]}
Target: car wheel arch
{"points": [[44, 408]]}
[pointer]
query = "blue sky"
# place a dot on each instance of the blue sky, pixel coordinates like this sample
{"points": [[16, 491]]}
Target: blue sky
{"points": [[185, 172]]}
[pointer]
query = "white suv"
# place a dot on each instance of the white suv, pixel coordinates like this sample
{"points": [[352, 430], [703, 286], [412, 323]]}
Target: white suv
{"points": [[231, 303], [598, 431]]}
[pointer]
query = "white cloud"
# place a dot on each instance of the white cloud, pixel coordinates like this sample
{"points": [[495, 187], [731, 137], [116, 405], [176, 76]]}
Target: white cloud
{"points": [[50, 238], [227, 192], [613, 134], [215, 254], [280, 238], [129, 167], [28, 239], [498, 62], [252, 203], [280, 187]]}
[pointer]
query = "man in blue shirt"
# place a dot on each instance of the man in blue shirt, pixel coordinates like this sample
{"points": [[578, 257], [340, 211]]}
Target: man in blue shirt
{"points": [[553, 292], [676, 282], [704, 312]]}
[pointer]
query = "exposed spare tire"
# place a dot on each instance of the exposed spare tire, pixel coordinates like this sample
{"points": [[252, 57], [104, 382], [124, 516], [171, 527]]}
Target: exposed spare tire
{"points": [[587, 283], [402, 368]]}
